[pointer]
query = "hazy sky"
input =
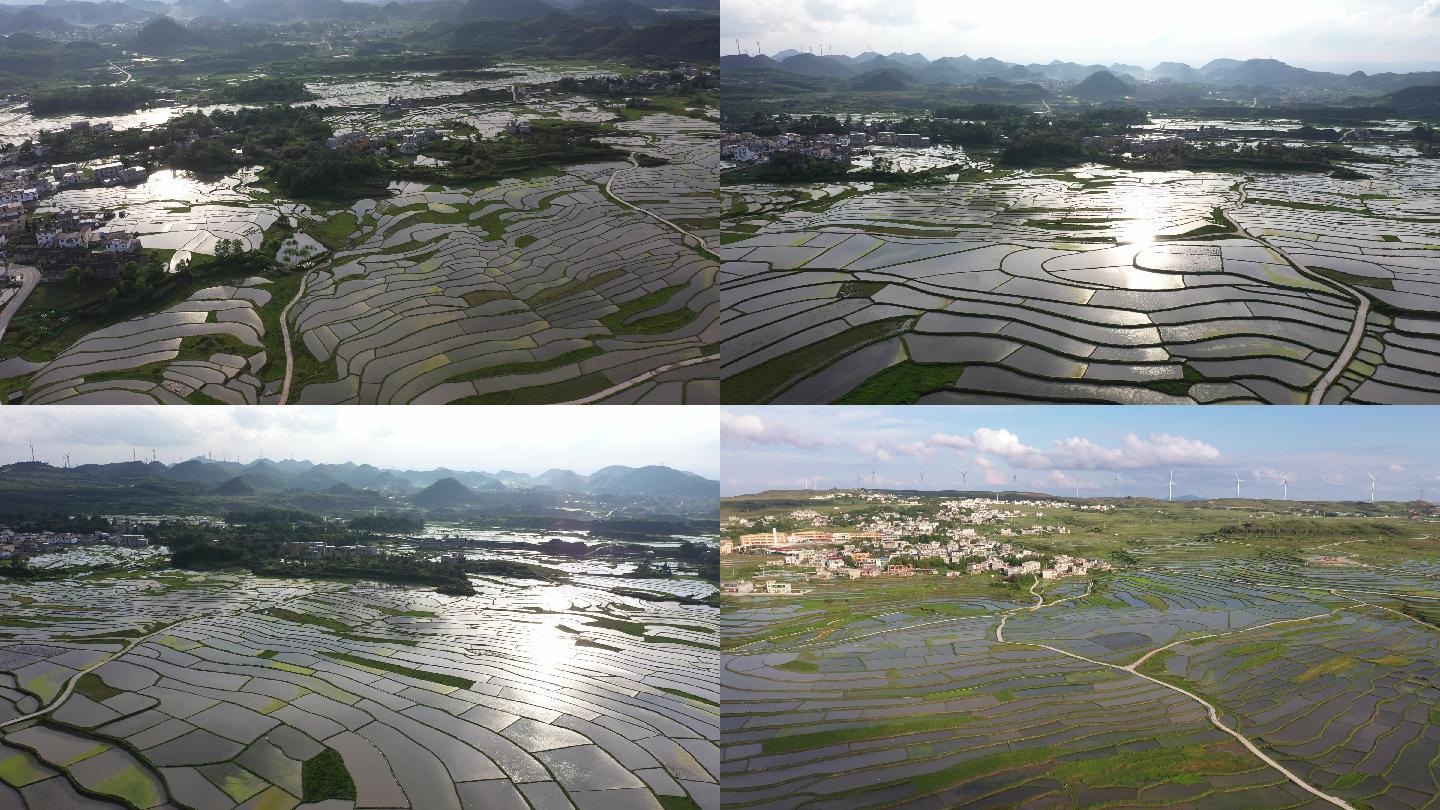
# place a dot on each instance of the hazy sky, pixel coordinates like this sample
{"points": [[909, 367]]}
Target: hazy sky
{"points": [[1325, 452], [524, 439], [1338, 35]]}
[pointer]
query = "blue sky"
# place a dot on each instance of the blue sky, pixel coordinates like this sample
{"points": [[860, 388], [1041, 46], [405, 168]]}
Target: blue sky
{"points": [[1324, 452], [528, 439], [1337, 35]]}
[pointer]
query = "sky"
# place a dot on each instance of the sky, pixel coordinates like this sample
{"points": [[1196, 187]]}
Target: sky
{"points": [[1336, 35], [520, 438], [1325, 453]]}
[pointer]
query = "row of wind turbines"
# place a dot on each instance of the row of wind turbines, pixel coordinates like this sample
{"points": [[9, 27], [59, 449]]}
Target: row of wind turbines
{"points": [[1285, 482]]}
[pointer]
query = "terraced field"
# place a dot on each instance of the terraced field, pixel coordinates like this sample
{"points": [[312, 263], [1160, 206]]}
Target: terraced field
{"points": [[595, 283], [526, 291], [207, 348], [1091, 285], [220, 691], [1081, 695]]}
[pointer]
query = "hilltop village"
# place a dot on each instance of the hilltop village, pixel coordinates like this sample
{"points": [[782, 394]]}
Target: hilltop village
{"points": [[904, 538]]}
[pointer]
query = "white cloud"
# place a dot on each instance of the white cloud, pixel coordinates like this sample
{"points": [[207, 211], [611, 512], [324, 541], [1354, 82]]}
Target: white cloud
{"points": [[749, 428]]}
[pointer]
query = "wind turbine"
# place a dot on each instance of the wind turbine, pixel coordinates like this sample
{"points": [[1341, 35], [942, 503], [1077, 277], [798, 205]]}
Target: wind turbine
{"points": [[964, 478], [1172, 485], [32, 452], [1117, 486], [1238, 482], [1284, 488], [1372, 487], [922, 479]]}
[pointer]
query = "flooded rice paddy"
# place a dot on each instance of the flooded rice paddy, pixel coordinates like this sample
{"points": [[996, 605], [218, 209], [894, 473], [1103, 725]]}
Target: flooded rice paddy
{"points": [[219, 691], [1095, 285]]}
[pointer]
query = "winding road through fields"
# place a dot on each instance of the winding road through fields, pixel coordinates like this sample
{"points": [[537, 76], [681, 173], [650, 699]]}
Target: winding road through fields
{"points": [[285, 336], [29, 277], [1357, 327], [699, 242]]}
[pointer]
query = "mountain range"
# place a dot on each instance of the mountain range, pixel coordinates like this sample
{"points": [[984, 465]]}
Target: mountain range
{"points": [[1218, 73], [64, 15], [265, 475]]}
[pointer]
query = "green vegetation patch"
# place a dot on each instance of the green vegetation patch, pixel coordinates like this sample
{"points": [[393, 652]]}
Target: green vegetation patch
{"points": [[903, 384], [874, 730], [133, 785], [1348, 780], [760, 383], [585, 642], [20, 768], [629, 628], [1354, 280], [687, 696], [531, 367], [333, 232], [324, 777], [201, 347], [978, 767], [860, 289], [618, 322], [571, 288], [1305, 206], [799, 666], [306, 618], [1184, 765], [377, 640], [409, 614], [91, 686], [398, 669]]}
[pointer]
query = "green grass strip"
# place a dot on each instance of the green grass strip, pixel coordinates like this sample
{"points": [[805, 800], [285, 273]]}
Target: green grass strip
{"points": [[878, 730], [418, 674]]}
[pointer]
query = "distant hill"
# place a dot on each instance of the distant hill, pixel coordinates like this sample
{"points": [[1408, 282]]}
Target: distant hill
{"points": [[653, 480], [1101, 86], [445, 492], [561, 36], [235, 486], [163, 35], [808, 64], [880, 80], [745, 63], [1423, 101], [611, 11], [562, 480], [1175, 71], [504, 9]]}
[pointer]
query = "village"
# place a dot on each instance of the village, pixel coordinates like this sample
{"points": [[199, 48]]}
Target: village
{"points": [[895, 544], [746, 148], [14, 544], [55, 240]]}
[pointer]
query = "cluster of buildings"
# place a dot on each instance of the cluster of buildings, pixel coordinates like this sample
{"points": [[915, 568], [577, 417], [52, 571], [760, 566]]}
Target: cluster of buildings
{"points": [[957, 536], [13, 543], [1133, 144], [319, 550], [22, 188], [407, 141], [745, 148], [76, 230], [682, 77], [742, 148]]}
